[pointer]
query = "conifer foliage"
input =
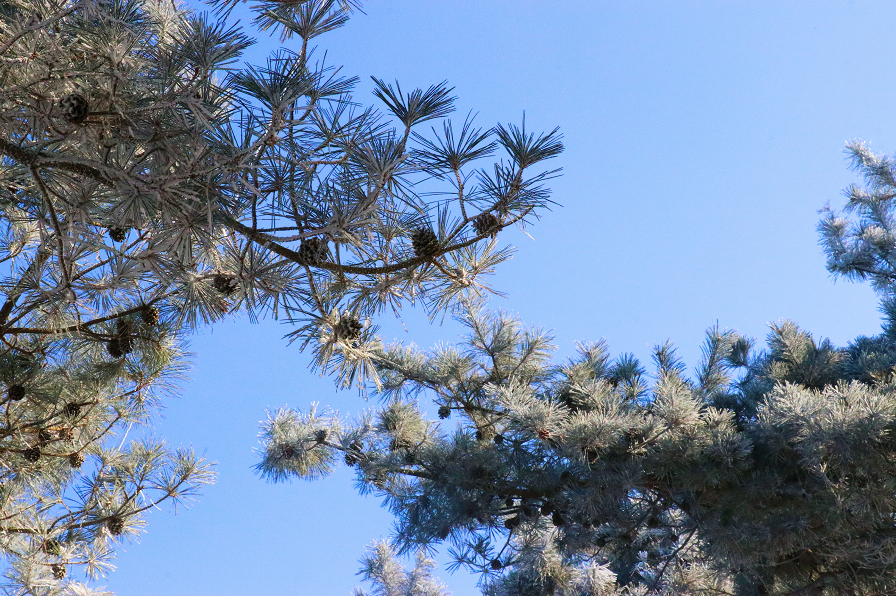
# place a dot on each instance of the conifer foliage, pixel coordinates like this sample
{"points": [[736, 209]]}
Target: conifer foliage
{"points": [[147, 187], [769, 472], [591, 473]]}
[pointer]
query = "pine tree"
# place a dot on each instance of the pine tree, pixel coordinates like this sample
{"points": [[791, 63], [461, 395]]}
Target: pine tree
{"points": [[381, 568], [148, 186], [769, 472], [265, 189]]}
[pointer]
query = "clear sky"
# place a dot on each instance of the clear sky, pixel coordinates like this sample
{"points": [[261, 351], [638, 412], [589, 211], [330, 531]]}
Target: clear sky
{"points": [[701, 139]]}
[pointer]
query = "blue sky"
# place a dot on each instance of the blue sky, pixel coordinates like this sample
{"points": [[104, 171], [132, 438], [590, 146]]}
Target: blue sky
{"points": [[701, 139]]}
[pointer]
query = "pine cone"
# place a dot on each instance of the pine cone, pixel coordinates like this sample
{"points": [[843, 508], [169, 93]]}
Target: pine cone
{"points": [[425, 242], [544, 434], [72, 410], [75, 460], [312, 251], [496, 565], [113, 346], [150, 315], [557, 519], [354, 455], [115, 525], [321, 435], [287, 452], [32, 454], [52, 547], [512, 522], [224, 283], [444, 412], [499, 439], [58, 571], [486, 223], [44, 436], [74, 108], [349, 328], [118, 234], [16, 393], [123, 332]]}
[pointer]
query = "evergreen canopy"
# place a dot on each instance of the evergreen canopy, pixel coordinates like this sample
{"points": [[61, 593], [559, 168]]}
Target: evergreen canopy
{"points": [[769, 472], [149, 186]]}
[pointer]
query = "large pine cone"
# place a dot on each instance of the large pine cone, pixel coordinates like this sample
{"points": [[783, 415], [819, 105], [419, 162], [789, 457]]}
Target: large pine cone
{"points": [[313, 251], [115, 525], [224, 283], [16, 393], [113, 346], [486, 223], [32, 454], [150, 315], [425, 242], [349, 328], [74, 108]]}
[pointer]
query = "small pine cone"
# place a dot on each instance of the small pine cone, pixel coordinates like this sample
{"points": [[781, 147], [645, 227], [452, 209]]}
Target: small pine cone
{"points": [[224, 283], [509, 501], [353, 456], [72, 410], [125, 345], [443, 532], [312, 251], [59, 571], [113, 346], [557, 519], [115, 525], [287, 452], [480, 435], [547, 508], [74, 108], [544, 434], [32, 454], [425, 242], [44, 436], [496, 565], [444, 412], [66, 434], [122, 326], [486, 223], [16, 393], [530, 511], [52, 547], [349, 328], [321, 435], [499, 439], [75, 460], [150, 315], [118, 234], [512, 522]]}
